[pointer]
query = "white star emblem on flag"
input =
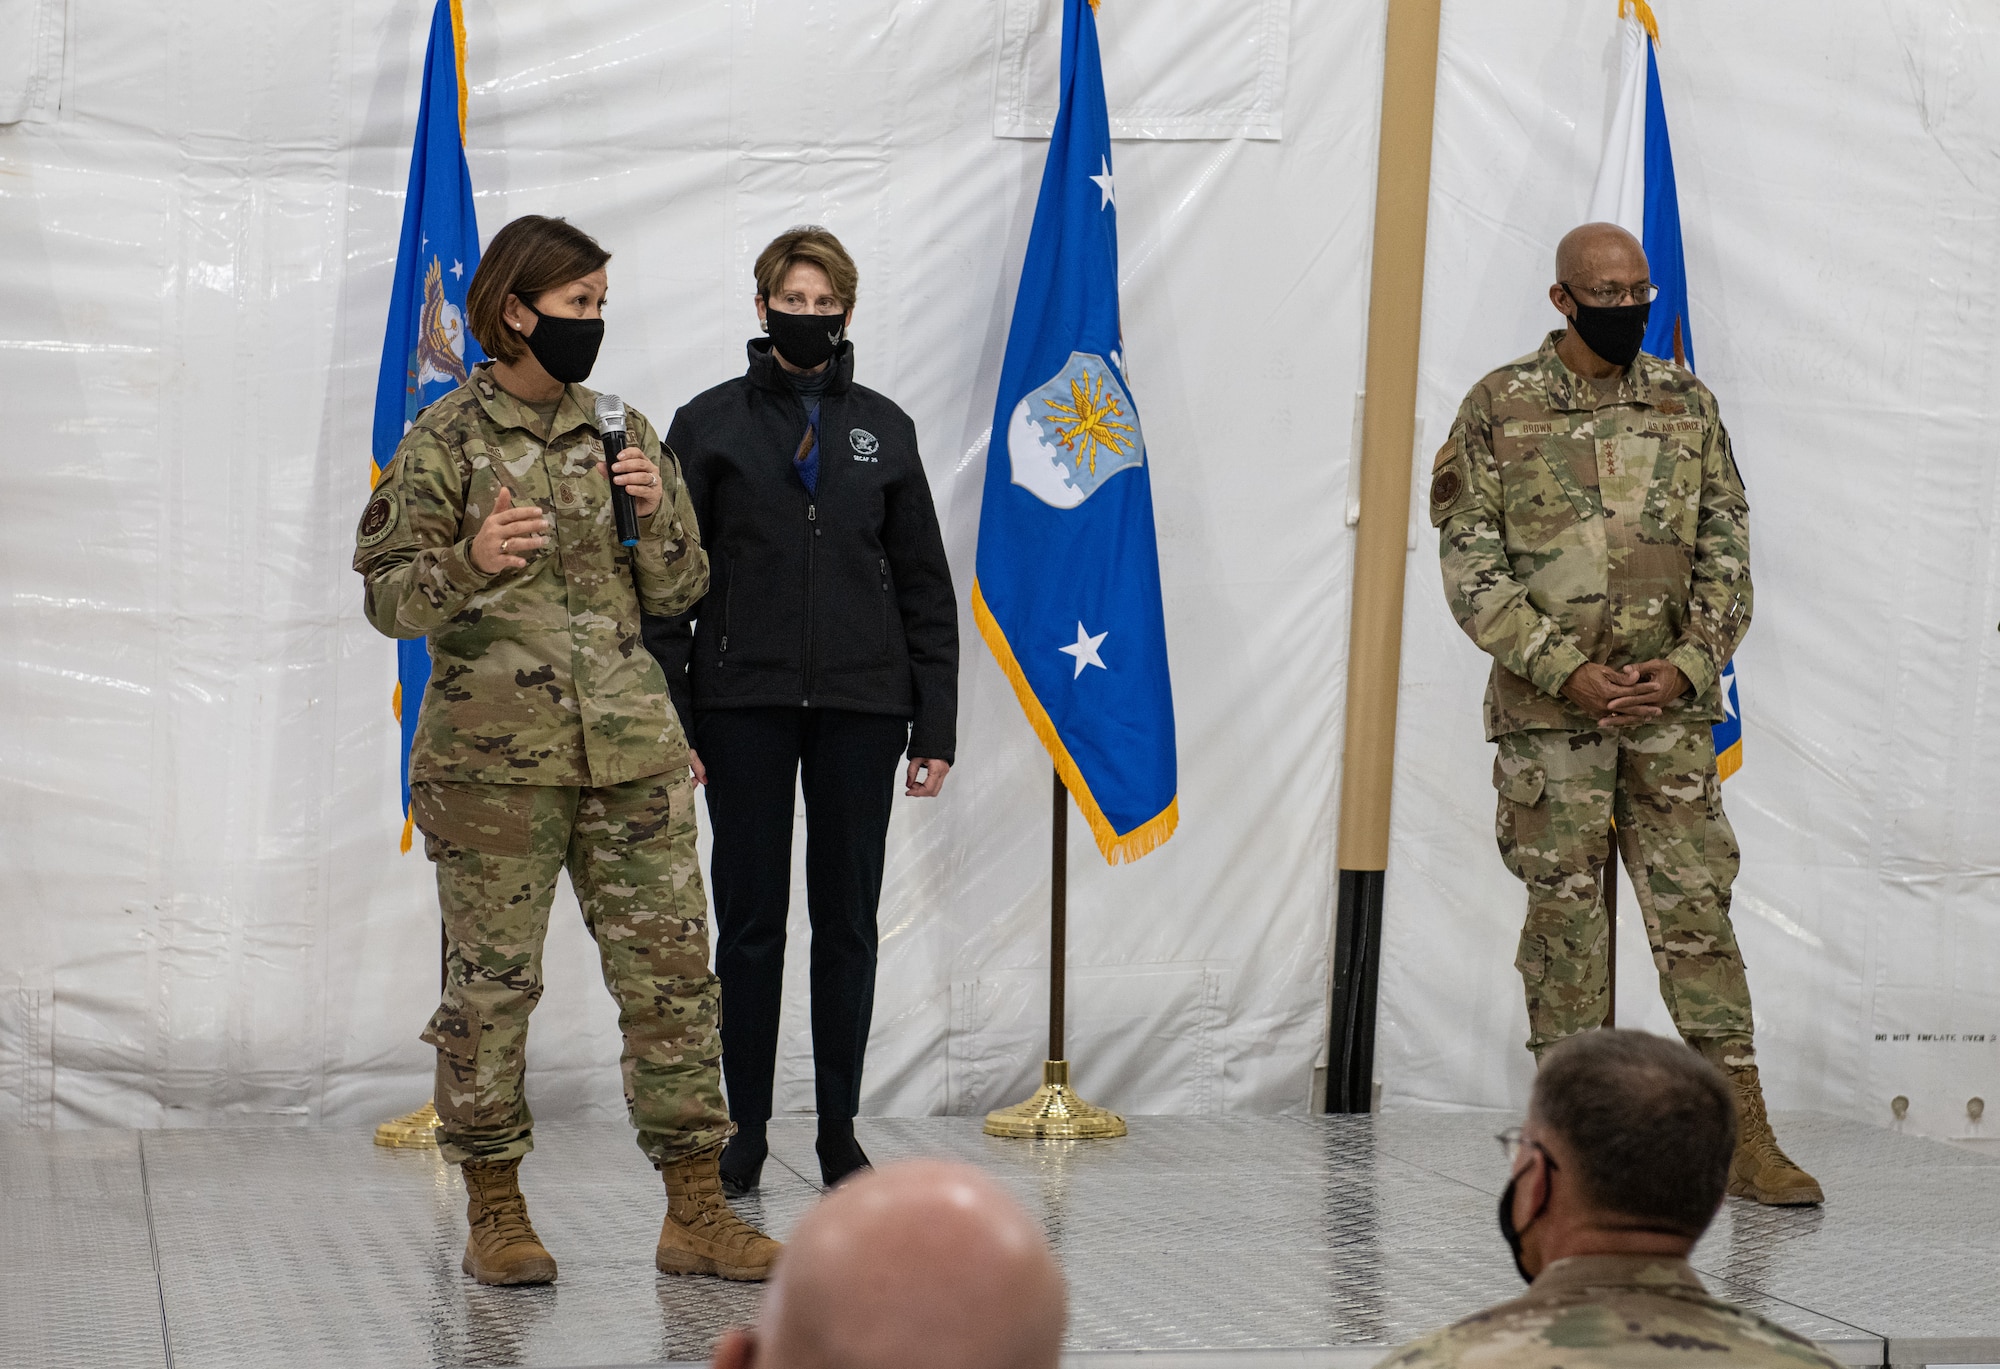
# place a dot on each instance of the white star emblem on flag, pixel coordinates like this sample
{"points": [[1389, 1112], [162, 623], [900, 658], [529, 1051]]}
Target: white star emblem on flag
{"points": [[1085, 651], [1104, 181]]}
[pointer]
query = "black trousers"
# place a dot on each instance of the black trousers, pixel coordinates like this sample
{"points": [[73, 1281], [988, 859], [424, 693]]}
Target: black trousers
{"points": [[755, 758]]}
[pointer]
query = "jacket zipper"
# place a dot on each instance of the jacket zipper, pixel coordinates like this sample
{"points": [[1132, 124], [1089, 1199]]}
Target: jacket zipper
{"points": [[728, 597], [812, 535], [885, 603]]}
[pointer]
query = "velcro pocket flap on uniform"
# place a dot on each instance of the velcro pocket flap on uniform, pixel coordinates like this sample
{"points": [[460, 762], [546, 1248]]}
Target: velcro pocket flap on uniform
{"points": [[1523, 786], [497, 819]]}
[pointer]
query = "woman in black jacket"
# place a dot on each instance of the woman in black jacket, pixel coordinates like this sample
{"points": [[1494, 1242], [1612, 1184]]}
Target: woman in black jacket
{"points": [[826, 648]]}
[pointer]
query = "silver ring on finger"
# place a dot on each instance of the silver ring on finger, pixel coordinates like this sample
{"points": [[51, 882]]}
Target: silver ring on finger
{"points": [[503, 545]]}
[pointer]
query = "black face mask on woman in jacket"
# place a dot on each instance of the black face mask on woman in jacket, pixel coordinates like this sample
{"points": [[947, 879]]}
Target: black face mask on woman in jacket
{"points": [[805, 340], [566, 347]]}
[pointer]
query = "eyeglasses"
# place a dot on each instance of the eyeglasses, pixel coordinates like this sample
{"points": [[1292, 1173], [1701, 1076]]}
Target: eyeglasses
{"points": [[1512, 1144], [1606, 296]]}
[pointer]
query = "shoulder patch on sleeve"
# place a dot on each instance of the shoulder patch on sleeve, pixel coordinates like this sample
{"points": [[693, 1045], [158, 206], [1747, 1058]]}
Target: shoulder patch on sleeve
{"points": [[1445, 487], [1451, 479], [384, 513]]}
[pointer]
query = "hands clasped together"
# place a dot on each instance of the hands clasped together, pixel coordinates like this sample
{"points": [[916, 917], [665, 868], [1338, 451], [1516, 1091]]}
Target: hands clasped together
{"points": [[1627, 694], [510, 533]]}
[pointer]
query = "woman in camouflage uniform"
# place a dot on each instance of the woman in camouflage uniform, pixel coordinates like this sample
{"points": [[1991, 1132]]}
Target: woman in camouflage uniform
{"points": [[546, 741]]}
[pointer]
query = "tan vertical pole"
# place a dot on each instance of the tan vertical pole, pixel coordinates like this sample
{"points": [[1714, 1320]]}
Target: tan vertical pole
{"points": [[1375, 625]]}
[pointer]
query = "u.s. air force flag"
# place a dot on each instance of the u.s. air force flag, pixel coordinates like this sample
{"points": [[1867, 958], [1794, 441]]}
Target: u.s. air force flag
{"points": [[1067, 589], [427, 350], [1635, 190]]}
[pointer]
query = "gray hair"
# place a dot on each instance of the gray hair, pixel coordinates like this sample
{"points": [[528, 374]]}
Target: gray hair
{"points": [[1652, 1126]]}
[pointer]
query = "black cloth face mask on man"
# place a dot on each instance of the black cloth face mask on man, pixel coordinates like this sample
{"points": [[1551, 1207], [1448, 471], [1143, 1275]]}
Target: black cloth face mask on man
{"points": [[566, 347], [805, 340], [1512, 1234], [1614, 332]]}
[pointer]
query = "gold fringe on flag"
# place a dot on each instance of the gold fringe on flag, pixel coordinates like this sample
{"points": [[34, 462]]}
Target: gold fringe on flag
{"points": [[1117, 847], [458, 50], [1638, 8]]}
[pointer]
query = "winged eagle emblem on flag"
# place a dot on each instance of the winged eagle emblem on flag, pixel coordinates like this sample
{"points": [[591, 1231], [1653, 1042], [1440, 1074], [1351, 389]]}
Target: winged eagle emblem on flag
{"points": [[440, 355]]}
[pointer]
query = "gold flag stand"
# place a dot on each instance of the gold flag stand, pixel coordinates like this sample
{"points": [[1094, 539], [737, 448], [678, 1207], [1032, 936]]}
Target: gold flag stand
{"points": [[417, 1130], [412, 1131], [1055, 1113]]}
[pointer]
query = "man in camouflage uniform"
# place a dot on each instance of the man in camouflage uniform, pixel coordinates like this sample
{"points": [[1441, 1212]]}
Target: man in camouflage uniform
{"points": [[1617, 1172], [1595, 542], [547, 742]]}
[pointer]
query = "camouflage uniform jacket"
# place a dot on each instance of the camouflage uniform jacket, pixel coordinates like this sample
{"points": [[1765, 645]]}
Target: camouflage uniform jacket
{"points": [[538, 675], [1596, 1311], [1582, 522]]}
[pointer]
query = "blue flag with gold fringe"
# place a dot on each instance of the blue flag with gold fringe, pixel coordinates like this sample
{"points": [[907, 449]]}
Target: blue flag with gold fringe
{"points": [[1635, 190], [428, 348], [1067, 585]]}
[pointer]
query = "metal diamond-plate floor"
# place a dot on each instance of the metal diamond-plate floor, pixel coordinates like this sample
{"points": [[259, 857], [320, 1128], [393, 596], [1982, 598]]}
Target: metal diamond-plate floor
{"points": [[1311, 1243]]}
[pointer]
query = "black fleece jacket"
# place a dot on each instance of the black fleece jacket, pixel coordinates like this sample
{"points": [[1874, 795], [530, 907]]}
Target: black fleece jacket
{"points": [[841, 598]]}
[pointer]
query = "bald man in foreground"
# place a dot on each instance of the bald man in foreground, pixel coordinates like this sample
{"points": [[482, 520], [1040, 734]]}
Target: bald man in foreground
{"points": [[1595, 541], [918, 1265]]}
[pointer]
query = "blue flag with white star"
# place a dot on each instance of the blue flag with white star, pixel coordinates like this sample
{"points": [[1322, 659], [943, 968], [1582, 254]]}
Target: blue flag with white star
{"points": [[428, 349], [1635, 190], [1067, 586]]}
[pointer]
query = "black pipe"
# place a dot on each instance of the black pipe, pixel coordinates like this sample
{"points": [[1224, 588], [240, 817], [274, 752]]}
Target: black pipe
{"points": [[1357, 967]]}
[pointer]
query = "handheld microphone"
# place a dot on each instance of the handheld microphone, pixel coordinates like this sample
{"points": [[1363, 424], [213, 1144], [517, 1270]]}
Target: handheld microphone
{"points": [[611, 426]]}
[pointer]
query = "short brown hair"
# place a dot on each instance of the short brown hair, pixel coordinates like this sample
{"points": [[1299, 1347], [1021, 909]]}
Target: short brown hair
{"points": [[814, 246], [528, 256], [1651, 1125]]}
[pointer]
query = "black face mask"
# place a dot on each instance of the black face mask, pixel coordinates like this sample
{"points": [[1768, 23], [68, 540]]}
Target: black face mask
{"points": [[1510, 1233], [1614, 333], [566, 347], [805, 340]]}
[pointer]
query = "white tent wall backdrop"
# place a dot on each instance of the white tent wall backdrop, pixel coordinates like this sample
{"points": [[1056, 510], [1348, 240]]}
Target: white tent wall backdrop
{"points": [[203, 916]]}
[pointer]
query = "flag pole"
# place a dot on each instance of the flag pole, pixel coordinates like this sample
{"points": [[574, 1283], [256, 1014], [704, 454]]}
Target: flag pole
{"points": [[1055, 1113], [1608, 882], [1058, 917], [418, 1130], [394, 396]]}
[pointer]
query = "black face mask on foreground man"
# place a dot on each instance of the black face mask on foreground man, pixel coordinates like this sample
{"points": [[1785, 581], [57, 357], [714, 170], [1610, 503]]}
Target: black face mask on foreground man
{"points": [[1508, 1231], [805, 340], [566, 347]]}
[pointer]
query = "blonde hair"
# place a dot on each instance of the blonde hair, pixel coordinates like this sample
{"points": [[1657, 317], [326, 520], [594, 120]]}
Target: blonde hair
{"points": [[813, 246]]}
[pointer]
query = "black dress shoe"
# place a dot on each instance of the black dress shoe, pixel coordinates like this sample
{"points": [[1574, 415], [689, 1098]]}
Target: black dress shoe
{"points": [[743, 1162], [840, 1155]]}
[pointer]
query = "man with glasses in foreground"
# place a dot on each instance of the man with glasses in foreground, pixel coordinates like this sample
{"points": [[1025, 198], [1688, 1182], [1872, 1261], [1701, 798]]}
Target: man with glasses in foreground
{"points": [[1595, 541], [1618, 1171]]}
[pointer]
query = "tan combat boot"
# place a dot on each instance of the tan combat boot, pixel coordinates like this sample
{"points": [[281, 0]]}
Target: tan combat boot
{"points": [[502, 1246], [1760, 1170], [701, 1235]]}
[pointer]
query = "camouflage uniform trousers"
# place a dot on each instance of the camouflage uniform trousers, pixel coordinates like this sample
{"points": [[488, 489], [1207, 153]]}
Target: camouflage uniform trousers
{"points": [[630, 852], [1559, 793]]}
